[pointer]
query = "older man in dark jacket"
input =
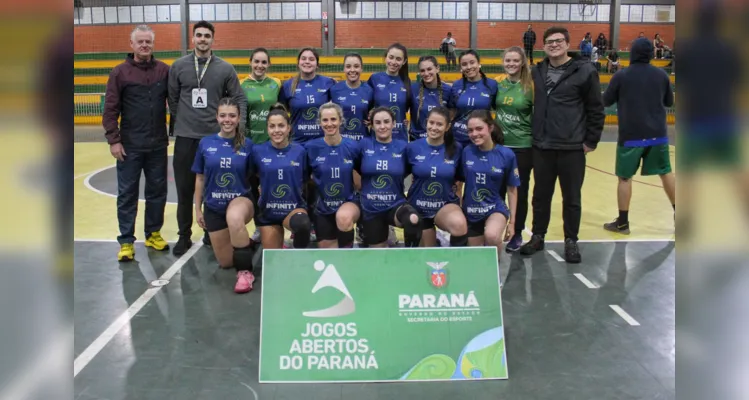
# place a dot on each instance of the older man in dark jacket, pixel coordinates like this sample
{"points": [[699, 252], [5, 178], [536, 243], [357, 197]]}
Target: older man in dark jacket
{"points": [[137, 93], [568, 120]]}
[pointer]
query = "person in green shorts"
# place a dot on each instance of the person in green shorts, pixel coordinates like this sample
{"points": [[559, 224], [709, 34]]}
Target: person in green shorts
{"points": [[261, 91], [642, 93], [514, 112]]}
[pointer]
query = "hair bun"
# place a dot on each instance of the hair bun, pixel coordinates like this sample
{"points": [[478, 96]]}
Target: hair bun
{"points": [[278, 106]]}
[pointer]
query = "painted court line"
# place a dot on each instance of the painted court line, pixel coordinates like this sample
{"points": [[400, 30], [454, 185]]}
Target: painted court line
{"points": [[97, 345], [555, 255], [585, 281], [91, 173], [624, 315]]}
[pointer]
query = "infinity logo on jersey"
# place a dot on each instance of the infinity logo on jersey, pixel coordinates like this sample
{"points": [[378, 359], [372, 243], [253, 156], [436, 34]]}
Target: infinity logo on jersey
{"points": [[310, 114], [353, 124], [280, 191], [225, 179], [479, 195], [381, 181], [432, 189], [334, 189]]}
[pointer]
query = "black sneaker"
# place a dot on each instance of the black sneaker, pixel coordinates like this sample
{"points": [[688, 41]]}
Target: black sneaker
{"points": [[183, 244], [535, 244], [616, 226], [571, 252]]}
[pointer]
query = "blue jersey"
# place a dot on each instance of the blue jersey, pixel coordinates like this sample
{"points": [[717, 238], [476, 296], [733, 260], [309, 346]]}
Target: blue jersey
{"points": [[332, 169], [484, 173], [304, 104], [431, 99], [283, 174], [390, 91], [383, 168], [433, 177], [356, 104], [475, 96], [226, 172]]}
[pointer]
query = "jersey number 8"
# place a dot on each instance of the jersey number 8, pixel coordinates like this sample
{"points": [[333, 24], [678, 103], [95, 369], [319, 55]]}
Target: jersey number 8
{"points": [[280, 174]]}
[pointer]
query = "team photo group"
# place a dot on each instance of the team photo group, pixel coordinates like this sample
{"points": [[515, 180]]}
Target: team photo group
{"points": [[346, 162]]}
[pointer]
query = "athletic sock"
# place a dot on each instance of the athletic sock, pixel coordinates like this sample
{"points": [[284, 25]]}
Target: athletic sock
{"points": [[346, 239], [623, 217], [243, 258]]}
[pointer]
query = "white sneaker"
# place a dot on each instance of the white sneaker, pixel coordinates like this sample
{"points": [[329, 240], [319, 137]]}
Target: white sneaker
{"points": [[255, 238], [392, 238]]}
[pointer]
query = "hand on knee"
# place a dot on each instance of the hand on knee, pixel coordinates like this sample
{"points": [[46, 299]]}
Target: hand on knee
{"points": [[411, 223], [301, 226]]}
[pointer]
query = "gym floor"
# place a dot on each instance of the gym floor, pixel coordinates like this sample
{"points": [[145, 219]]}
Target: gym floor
{"points": [[603, 329]]}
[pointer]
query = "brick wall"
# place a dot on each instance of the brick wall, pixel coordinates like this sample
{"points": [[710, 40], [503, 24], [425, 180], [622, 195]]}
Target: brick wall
{"points": [[229, 35], [354, 34], [412, 34], [505, 34]]}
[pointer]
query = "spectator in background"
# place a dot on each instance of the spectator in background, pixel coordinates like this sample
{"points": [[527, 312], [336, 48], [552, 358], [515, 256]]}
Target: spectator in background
{"points": [[448, 49], [586, 47], [602, 44], [613, 61], [567, 123], [197, 82], [642, 93], [660, 45], [136, 95], [529, 41]]}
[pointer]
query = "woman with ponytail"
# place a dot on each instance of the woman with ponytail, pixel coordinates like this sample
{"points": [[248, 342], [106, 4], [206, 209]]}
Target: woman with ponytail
{"points": [[392, 88], [474, 91], [514, 106], [224, 203], [431, 92], [487, 167]]}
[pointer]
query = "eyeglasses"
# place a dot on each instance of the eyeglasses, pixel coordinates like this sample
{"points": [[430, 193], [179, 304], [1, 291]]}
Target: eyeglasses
{"points": [[554, 41], [201, 35]]}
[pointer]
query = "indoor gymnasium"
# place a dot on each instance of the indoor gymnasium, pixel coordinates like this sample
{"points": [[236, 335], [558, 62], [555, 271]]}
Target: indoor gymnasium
{"points": [[165, 325]]}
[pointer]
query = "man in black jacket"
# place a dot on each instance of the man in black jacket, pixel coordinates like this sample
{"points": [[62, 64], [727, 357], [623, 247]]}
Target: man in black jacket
{"points": [[642, 93], [137, 93], [568, 119]]}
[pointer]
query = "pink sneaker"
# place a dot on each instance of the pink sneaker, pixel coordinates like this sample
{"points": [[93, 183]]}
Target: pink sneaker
{"points": [[244, 282]]}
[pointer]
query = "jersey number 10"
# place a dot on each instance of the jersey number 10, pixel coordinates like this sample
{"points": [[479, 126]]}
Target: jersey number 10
{"points": [[335, 173]]}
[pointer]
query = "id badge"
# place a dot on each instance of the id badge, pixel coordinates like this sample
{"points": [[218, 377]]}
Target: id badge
{"points": [[199, 98]]}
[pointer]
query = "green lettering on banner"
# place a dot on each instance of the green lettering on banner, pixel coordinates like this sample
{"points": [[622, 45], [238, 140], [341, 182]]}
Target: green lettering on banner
{"points": [[373, 315]]}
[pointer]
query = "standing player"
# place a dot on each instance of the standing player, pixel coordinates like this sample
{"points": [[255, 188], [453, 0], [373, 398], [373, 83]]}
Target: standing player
{"points": [[282, 167], [514, 104], [431, 92], [331, 161], [383, 167], [356, 99], [303, 94], [223, 201], [486, 167], [473, 92], [392, 88], [261, 92], [434, 161]]}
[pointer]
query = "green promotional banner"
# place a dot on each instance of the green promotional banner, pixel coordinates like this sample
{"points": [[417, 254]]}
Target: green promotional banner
{"points": [[373, 315]]}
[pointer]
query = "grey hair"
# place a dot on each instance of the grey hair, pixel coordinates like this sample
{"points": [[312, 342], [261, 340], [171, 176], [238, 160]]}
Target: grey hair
{"points": [[142, 28], [334, 106]]}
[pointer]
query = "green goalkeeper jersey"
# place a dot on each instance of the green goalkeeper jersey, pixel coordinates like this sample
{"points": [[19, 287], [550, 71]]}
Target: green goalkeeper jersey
{"points": [[514, 112], [261, 95]]}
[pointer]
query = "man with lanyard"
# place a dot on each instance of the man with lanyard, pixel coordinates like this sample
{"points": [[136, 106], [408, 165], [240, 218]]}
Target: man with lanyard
{"points": [[567, 123], [197, 82]]}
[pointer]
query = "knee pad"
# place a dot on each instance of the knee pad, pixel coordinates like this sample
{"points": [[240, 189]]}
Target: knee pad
{"points": [[411, 231], [301, 226]]}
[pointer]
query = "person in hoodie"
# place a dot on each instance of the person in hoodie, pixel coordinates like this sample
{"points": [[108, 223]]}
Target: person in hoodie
{"points": [[135, 123], [642, 93], [568, 119], [197, 82]]}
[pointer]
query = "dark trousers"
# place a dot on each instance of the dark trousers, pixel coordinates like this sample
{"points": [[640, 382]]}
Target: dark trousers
{"points": [[569, 166], [184, 179], [525, 165], [153, 164], [529, 54]]}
